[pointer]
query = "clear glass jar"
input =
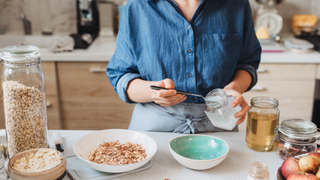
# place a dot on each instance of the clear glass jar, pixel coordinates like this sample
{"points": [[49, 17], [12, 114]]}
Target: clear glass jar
{"points": [[3, 172], [263, 116], [24, 99], [220, 111], [295, 137], [258, 171]]}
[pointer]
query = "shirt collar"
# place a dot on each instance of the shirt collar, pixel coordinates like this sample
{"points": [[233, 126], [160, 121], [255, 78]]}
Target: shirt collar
{"points": [[202, 1]]}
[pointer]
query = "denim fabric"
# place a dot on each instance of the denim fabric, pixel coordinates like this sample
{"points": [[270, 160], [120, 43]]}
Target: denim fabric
{"points": [[155, 42]]}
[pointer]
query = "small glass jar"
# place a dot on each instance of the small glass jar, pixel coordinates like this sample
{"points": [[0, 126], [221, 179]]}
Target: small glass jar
{"points": [[24, 99], [258, 171], [295, 137], [3, 172], [219, 111], [263, 116]]}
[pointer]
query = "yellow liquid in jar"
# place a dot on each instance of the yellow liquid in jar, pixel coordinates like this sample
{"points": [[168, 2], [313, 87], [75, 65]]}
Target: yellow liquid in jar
{"points": [[260, 130]]}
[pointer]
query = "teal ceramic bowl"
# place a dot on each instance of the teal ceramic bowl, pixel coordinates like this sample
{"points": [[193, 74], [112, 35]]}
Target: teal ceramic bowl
{"points": [[198, 152]]}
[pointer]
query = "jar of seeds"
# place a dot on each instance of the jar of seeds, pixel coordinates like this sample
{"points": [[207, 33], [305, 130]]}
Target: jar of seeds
{"points": [[24, 99]]}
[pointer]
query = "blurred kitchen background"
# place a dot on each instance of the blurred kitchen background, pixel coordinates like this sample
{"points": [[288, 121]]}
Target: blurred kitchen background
{"points": [[79, 95], [60, 16]]}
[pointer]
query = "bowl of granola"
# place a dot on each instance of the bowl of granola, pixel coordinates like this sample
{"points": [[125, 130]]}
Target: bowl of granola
{"points": [[37, 164], [115, 150]]}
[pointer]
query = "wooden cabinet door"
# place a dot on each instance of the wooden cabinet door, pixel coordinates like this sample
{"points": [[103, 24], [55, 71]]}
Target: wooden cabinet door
{"points": [[291, 84], [88, 100]]}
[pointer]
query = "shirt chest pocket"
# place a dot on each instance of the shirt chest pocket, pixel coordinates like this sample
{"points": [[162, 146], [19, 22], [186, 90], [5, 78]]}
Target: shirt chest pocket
{"points": [[223, 51]]}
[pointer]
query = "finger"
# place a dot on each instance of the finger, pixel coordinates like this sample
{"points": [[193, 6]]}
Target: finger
{"points": [[171, 100], [244, 110], [166, 100], [237, 101], [172, 103], [163, 93], [241, 120], [168, 83]]}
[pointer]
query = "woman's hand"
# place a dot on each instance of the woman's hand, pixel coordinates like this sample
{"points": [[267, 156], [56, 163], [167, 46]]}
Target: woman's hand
{"points": [[167, 97], [238, 100]]}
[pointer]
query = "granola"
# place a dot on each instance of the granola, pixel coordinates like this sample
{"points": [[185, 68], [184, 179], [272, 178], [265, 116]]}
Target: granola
{"points": [[115, 153], [42, 160], [26, 118]]}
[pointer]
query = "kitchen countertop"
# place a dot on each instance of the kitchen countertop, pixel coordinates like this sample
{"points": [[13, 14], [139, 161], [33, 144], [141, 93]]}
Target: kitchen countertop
{"points": [[235, 167], [103, 48]]}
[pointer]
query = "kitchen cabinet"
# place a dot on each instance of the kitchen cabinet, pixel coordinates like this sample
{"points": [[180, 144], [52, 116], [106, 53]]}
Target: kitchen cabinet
{"points": [[88, 100], [53, 110], [291, 84], [52, 95]]}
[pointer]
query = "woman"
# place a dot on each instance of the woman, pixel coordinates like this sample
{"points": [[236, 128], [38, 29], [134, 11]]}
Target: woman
{"points": [[189, 45]]}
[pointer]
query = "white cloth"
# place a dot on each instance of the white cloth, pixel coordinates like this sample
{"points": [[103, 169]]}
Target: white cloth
{"points": [[62, 44]]}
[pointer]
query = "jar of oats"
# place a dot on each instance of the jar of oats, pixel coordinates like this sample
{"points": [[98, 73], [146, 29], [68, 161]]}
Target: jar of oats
{"points": [[24, 99]]}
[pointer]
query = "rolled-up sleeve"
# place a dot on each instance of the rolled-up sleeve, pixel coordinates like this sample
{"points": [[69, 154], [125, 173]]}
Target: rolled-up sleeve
{"points": [[122, 67], [251, 50]]}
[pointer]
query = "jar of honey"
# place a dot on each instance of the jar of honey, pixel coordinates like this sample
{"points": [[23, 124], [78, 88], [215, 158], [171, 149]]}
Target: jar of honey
{"points": [[263, 116]]}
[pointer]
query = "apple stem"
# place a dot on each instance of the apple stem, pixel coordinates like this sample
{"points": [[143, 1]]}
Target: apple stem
{"points": [[297, 160]]}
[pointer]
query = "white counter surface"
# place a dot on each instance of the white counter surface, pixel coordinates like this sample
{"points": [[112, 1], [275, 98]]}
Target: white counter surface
{"points": [[235, 167], [102, 49]]}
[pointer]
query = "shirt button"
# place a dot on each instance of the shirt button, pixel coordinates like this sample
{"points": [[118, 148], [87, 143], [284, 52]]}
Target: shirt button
{"points": [[189, 51], [189, 27], [193, 99], [190, 75]]}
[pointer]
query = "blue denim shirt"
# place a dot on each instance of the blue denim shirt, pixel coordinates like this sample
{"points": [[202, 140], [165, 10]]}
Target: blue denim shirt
{"points": [[155, 42]]}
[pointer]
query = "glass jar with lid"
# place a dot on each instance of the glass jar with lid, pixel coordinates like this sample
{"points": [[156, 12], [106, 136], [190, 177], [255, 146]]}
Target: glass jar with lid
{"points": [[24, 99], [219, 111], [263, 116], [295, 137]]}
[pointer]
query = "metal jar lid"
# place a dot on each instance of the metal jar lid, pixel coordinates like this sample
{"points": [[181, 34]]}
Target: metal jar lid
{"points": [[297, 130]]}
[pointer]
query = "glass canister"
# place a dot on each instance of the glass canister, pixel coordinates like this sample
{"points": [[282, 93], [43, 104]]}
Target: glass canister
{"points": [[295, 137], [219, 109], [263, 116], [24, 99]]}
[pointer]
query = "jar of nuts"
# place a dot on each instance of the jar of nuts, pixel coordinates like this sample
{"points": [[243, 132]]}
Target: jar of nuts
{"points": [[295, 137], [24, 99]]}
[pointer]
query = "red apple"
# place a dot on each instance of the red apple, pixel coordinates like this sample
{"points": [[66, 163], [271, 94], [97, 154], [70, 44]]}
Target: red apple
{"points": [[308, 164], [318, 173], [300, 175], [289, 166], [315, 155]]}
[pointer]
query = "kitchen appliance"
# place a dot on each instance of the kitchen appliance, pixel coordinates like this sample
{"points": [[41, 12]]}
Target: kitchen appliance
{"points": [[316, 104], [313, 37], [303, 22], [268, 17], [106, 14], [87, 22]]}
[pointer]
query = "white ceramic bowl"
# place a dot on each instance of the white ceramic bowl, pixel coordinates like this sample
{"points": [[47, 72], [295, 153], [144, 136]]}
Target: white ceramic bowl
{"points": [[198, 152], [86, 143]]}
